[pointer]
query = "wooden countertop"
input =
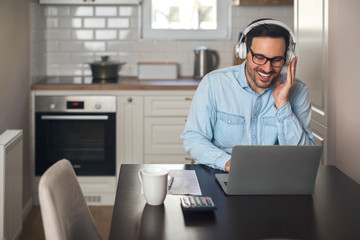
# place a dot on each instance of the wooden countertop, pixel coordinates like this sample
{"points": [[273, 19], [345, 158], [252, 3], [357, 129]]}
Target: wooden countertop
{"points": [[123, 83]]}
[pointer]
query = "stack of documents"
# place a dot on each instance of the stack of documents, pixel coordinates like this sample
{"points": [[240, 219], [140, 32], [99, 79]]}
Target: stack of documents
{"points": [[185, 182]]}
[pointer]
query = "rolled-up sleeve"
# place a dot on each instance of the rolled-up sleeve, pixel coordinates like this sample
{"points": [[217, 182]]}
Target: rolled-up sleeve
{"points": [[198, 133], [293, 119]]}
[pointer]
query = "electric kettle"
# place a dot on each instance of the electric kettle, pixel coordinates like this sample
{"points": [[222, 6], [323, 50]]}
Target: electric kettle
{"points": [[206, 60]]}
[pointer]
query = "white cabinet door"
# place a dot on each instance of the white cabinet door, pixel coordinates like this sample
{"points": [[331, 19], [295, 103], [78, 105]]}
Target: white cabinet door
{"points": [[165, 117], [162, 135], [129, 130], [96, 2], [167, 105]]}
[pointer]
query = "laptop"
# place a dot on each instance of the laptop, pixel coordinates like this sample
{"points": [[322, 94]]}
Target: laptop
{"points": [[271, 170]]}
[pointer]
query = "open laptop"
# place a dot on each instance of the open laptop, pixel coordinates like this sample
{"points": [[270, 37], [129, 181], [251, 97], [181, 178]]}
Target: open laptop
{"points": [[271, 170]]}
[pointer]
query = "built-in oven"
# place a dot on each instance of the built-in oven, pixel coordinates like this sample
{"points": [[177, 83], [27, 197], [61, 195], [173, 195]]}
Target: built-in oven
{"points": [[81, 129]]}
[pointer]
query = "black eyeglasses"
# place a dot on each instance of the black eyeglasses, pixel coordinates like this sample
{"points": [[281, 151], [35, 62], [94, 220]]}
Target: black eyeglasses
{"points": [[260, 59]]}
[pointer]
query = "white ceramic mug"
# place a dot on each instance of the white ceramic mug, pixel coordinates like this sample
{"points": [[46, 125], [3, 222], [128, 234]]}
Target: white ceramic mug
{"points": [[154, 183]]}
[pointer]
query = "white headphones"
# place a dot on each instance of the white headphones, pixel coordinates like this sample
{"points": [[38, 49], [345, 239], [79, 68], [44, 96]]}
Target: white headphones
{"points": [[241, 48]]}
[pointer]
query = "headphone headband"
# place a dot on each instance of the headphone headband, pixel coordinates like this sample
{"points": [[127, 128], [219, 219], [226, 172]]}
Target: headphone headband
{"points": [[274, 22]]}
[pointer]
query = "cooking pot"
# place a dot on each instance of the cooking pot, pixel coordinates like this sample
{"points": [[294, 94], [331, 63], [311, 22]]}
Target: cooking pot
{"points": [[206, 60], [105, 69]]}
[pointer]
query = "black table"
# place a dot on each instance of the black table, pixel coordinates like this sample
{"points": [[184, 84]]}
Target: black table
{"points": [[332, 212]]}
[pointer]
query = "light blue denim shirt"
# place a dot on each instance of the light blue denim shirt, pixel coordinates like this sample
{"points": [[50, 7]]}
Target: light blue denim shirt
{"points": [[227, 112]]}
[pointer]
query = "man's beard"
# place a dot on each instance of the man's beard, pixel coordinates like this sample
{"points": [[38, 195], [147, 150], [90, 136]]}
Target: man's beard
{"points": [[252, 74]]}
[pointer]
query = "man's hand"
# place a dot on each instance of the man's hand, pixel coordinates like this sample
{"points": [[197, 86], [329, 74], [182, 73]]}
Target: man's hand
{"points": [[227, 166], [282, 92]]}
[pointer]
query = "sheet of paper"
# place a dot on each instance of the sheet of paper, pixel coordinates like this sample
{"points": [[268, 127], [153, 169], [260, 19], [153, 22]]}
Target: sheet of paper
{"points": [[185, 183]]}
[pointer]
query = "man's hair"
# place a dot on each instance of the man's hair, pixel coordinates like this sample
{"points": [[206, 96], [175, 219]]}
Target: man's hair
{"points": [[267, 30]]}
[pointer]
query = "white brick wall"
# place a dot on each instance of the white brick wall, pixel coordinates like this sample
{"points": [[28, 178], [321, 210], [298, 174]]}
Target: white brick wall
{"points": [[77, 35]]}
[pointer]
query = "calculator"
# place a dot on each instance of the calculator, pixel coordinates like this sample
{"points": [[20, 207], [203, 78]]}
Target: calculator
{"points": [[197, 203]]}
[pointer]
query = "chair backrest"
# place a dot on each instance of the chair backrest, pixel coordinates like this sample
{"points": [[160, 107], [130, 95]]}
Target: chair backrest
{"points": [[64, 211]]}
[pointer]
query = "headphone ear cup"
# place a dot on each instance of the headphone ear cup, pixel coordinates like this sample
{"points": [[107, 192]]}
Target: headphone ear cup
{"points": [[237, 50], [290, 55], [242, 50]]}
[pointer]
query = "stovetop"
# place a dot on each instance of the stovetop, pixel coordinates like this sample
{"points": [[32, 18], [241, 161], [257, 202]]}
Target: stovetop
{"points": [[78, 80]]}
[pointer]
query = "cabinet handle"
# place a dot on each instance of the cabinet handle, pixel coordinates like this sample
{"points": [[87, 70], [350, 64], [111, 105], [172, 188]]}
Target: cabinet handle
{"points": [[129, 99], [188, 99]]}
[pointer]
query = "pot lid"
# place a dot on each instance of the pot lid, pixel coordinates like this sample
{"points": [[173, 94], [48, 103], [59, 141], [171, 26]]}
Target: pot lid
{"points": [[105, 61]]}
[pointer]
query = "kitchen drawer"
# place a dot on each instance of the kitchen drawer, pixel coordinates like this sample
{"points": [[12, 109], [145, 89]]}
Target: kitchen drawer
{"points": [[162, 135], [168, 159], [97, 184], [167, 105]]}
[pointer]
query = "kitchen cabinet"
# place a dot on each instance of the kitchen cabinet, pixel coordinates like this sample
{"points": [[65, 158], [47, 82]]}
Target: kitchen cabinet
{"points": [[312, 67], [149, 125], [95, 2], [164, 121], [129, 125], [262, 2]]}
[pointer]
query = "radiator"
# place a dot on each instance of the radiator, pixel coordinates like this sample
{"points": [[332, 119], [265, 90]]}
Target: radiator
{"points": [[11, 175]]}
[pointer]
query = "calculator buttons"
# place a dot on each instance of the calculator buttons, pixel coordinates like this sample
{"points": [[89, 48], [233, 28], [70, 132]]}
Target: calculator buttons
{"points": [[197, 203]]}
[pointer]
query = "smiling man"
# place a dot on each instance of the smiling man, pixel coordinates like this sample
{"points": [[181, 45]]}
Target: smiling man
{"points": [[250, 104]]}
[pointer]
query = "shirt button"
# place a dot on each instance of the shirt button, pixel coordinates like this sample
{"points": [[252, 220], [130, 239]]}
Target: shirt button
{"points": [[254, 116], [282, 135], [254, 136], [278, 114], [229, 121]]}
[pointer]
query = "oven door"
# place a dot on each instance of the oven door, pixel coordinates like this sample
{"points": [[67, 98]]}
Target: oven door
{"points": [[87, 140]]}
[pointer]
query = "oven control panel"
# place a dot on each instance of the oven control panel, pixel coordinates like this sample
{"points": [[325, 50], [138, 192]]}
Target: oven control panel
{"points": [[75, 104]]}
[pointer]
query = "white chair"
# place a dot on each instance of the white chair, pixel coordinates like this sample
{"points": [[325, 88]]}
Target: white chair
{"points": [[64, 211]]}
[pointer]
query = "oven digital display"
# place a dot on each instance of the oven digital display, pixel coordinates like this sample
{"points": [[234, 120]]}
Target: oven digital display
{"points": [[74, 105]]}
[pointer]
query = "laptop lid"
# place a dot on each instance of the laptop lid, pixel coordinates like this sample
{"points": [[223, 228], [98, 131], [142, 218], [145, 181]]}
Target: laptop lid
{"points": [[271, 170]]}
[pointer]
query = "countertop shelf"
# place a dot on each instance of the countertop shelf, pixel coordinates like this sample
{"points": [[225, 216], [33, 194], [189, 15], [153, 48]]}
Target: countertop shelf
{"points": [[122, 83]]}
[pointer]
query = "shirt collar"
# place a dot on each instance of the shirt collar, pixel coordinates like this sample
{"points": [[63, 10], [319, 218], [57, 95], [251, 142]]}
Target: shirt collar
{"points": [[242, 77]]}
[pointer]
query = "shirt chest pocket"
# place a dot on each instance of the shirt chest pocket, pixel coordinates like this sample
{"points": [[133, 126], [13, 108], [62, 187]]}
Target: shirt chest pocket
{"points": [[228, 129], [269, 121]]}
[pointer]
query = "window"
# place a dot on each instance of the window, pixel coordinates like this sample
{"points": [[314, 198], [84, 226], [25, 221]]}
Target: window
{"points": [[186, 19]]}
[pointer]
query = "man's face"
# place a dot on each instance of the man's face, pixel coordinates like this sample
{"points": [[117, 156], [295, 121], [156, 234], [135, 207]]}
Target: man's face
{"points": [[261, 76]]}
